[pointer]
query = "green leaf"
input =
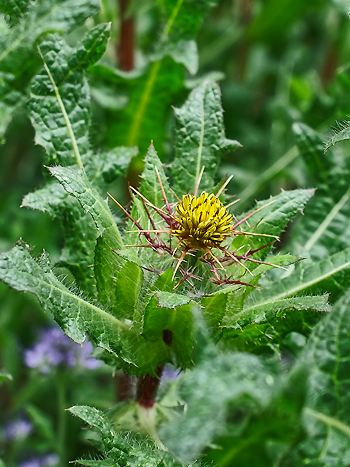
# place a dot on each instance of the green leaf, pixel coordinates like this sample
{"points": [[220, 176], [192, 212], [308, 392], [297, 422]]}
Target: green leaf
{"points": [[210, 391], [150, 186], [149, 96], [272, 217], [324, 229], [4, 377], [182, 21], [341, 133], [168, 316], [200, 139], [77, 316], [311, 148], [256, 314], [80, 237], [106, 261], [329, 275], [93, 417], [60, 96], [47, 199], [327, 419], [18, 58], [120, 449], [14, 9]]}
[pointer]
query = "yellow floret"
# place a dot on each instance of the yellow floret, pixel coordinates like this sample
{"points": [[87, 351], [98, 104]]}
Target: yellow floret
{"points": [[203, 221]]}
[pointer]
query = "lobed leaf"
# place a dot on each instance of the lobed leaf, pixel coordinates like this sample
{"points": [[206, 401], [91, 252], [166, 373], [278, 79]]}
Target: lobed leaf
{"points": [[272, 217], [209, 390], [326, 416], [106, 262], [324, 229], [31, 20], [77, 316], [200, 139], [60, 96]]}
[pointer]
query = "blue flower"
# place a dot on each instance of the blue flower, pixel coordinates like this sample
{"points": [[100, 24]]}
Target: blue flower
{"points": [[17, 429], [54, 349], [49, 460]]}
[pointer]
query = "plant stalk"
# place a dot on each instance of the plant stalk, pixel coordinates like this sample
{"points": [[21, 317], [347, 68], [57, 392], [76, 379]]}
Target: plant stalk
{"points": [[126, 43], [62, 419]]}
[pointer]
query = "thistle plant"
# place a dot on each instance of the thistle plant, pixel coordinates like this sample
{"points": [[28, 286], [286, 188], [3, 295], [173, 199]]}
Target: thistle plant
{"points": [[200, 224], [185, 277]]}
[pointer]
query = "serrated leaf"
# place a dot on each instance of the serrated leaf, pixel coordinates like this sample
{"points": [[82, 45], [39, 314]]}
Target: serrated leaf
{"points": [[200, 139], [257, 314], [77, 317], [18, 61], [80, 237], [326, 416], [272, 217], [238, 295], [14, 9], [150, 186], [93, 417], [106, 262], [324, 229], [341, 133], [60, 96], [236, 379], [329, 275]]}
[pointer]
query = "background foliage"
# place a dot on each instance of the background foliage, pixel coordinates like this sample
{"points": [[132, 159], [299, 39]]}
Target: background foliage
{"points": [[269, 378]]}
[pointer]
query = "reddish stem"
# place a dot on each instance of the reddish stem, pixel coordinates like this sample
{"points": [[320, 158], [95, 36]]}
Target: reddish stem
{"points": [[126, 43], [147, 388], [123, 385]]}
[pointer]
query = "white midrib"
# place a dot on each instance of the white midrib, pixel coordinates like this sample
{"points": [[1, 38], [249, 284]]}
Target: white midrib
{"points": [[299, 288], [330, 421], [327, 220], [201, 140], [101, 312], [64, 113]]}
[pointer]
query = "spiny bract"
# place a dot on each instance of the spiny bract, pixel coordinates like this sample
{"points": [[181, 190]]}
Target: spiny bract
{"points": [[200, 224]]}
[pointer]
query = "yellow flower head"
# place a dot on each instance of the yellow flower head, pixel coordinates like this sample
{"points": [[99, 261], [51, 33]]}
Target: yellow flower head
{"points": [[203, 221], [200, 223]]}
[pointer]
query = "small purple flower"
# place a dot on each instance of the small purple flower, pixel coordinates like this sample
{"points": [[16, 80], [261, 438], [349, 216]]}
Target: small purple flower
{"points": [[49, 460], [17, 429], [170, 373], [54, 349]]}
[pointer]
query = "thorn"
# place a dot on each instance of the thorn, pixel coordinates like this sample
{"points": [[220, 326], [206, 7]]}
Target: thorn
{"points": [[182, 257], [232, 203], [198, 181], [167, 205], [224, 186], [248, 216]]}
